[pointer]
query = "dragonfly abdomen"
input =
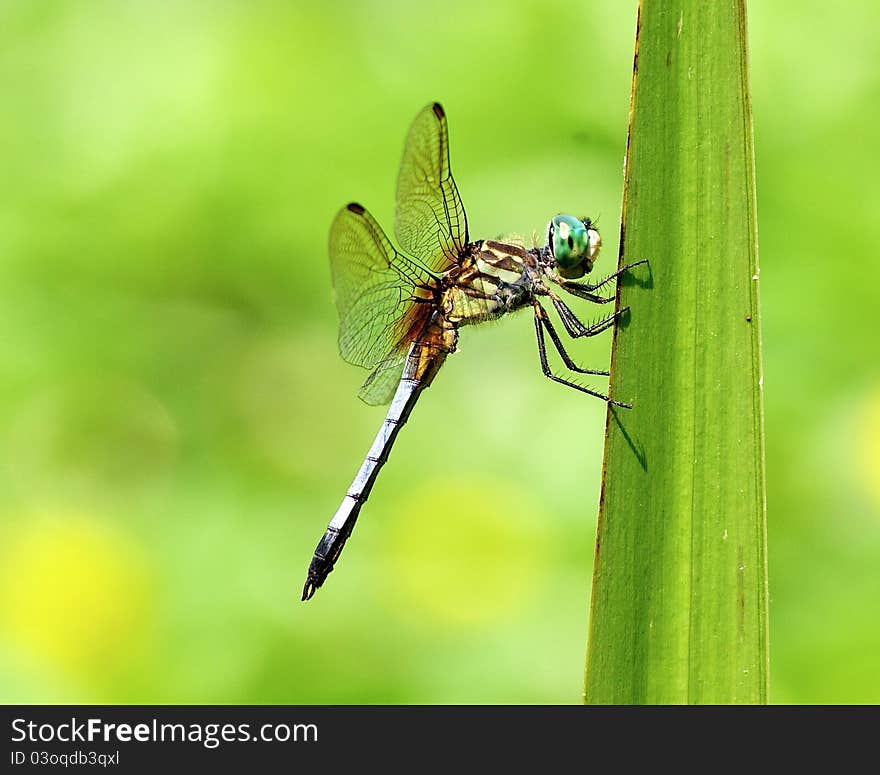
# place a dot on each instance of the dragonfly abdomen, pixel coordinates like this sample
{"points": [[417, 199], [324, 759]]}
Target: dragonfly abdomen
{"points": [[422, 363]]}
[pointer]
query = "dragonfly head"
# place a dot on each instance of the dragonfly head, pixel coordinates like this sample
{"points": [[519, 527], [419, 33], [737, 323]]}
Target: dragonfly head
{"points": [[574, 244]]}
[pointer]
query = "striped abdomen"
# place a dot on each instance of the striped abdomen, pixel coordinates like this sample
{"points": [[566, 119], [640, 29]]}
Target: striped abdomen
{"points": [[422, 362]]}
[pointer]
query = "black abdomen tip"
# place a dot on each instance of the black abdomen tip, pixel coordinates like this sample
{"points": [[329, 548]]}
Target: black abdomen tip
{"points": [[309, 589]]}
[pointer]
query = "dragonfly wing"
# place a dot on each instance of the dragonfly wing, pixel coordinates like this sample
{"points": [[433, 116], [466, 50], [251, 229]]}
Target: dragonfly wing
{"points": [[380, 386], [373, 285], [430, 222]]}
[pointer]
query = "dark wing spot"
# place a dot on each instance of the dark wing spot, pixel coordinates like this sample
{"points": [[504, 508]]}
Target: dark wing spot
{"points": [[356, 208], [438, 110], [570, 242]]}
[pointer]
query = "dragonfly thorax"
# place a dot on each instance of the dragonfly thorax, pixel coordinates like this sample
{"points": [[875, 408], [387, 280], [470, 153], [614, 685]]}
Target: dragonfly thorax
{"points": [[494, 278]]}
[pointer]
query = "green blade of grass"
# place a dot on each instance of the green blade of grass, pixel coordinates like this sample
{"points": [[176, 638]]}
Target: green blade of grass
{"points": [[679, 606]]}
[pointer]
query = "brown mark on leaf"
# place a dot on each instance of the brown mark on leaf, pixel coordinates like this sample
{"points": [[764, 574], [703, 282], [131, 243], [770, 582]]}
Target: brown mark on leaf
{"points": [[638, 29], [740, 590], [727, 161]]}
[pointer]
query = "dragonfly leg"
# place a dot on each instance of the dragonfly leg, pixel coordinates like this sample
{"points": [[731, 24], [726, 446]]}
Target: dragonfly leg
{"points": [[585, 290], [575, 327], [541, 315], [545, 366]]}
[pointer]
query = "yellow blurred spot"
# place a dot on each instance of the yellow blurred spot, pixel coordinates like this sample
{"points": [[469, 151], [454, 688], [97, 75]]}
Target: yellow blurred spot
{"points": [[466, 553], [74, 593], [868, 444]]}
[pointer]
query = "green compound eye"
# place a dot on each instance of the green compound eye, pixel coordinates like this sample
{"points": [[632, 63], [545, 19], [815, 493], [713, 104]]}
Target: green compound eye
{"points": [[569, 242], [573, 244]]}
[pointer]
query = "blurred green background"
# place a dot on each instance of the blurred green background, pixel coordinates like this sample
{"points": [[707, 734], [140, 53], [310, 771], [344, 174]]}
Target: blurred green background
{"points": [[176, 427]]}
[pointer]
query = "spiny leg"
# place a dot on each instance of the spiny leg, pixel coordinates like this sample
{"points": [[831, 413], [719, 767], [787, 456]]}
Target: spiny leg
{"points": [[545, 367], [541, 314], [585, 290], [575, 327]]}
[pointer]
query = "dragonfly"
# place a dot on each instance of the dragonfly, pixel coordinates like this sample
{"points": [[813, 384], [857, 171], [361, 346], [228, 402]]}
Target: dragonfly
{"points": [[400, 311]]}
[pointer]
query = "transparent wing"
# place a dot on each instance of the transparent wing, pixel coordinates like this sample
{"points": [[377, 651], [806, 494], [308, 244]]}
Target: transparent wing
{"points": [[430, 222], [379, 387], [373, 286]]}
